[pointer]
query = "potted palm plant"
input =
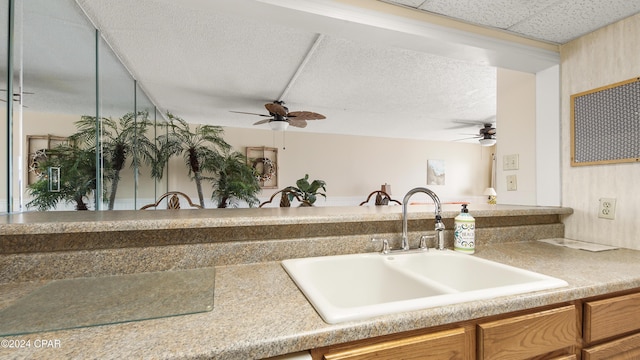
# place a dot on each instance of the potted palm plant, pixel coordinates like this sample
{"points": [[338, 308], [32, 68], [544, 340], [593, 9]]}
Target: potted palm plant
{"points": [[120, 141], [234, 181], [200, 149], [76, 177]]}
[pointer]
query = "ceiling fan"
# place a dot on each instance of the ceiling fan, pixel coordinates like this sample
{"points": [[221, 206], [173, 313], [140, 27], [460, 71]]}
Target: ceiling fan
{"points": [[17, 97], [280, 118], [486, 135]]}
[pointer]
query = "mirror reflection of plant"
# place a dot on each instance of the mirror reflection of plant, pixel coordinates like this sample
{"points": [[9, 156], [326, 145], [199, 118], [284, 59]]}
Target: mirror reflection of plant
{"points": [[308, 191], [77, 177], [199, 147], [234, 181], [122, 139]]}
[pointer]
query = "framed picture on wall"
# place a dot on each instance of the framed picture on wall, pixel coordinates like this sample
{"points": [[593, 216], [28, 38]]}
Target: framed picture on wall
{"points": [[38, 146], [435, 172], [265, 162]]}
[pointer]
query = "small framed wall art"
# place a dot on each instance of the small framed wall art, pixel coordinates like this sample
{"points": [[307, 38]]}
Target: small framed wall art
{"points": [[265, 161], [435, 172]]}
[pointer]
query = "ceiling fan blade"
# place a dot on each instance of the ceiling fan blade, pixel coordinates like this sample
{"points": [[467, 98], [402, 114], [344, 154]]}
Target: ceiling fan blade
{"points": [[298, 123], [4, 101], [469, 138], [262, 121], [276, 109], [305, 115], [469, 123], [248, 113]]}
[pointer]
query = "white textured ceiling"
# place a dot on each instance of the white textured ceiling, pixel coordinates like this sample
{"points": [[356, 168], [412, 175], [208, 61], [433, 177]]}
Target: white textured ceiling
{"points": [[557, 21], [369, 71]]}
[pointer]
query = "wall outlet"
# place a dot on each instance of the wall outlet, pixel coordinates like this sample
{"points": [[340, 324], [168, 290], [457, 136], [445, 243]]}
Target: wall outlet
{"points": [[607, 209], [510, 162], [512, 183]]}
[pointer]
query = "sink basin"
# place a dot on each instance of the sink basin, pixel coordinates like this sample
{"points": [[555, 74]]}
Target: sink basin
{"points": [[359, 286]]}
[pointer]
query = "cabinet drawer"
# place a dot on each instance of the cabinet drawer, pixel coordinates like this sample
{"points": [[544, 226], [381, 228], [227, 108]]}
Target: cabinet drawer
{"points": [[627, 348], [611, 317], [442, 345], [526, 336]]}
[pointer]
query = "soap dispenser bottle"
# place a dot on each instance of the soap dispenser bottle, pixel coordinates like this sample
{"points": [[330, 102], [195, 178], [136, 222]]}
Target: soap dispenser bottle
{"points": [[464, 232]]}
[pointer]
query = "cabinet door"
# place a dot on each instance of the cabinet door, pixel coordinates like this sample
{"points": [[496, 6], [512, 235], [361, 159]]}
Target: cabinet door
{"points": [[610, 317], [442, 345], [627, 348], [527, 336]]}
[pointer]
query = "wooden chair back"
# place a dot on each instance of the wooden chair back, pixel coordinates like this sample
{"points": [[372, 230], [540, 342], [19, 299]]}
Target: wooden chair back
{"points": [[382, 198], [173, 203], [284, 198]]}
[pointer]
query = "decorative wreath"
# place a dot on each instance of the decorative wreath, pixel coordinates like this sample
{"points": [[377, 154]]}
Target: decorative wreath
{"points": [[35, 159], [268, 170]]}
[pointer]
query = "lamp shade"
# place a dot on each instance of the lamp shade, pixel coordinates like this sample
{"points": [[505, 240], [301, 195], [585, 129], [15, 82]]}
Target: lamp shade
{"points": [[487, 142], [490, 192], [279, 125]]}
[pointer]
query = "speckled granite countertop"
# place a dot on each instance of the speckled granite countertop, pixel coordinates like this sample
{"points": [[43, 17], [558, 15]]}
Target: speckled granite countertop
{"points": [[259, 312], [127, 220]]}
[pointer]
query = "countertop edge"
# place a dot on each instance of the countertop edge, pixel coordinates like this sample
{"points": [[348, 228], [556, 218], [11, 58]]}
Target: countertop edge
{"points": [[131, 220]]}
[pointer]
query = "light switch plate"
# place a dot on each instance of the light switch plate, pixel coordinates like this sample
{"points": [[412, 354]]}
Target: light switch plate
{"points": [[512, 183], [510, 162]]}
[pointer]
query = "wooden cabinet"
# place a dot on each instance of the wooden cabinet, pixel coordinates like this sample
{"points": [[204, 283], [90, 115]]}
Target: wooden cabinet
{"points": [[611, 317], [548, 334], [604, 328], [615, 320], [528, 336], [627, 348], [451, 344]]}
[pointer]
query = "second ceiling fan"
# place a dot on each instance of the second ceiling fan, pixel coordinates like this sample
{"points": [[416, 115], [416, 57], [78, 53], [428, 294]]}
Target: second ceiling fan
{"points": [[486, 135], [280, 117]]}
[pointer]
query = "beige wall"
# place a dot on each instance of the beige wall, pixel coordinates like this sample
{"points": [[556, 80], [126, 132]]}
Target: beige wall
{"points": [[353, 166], [516, 121], [606, 56]]}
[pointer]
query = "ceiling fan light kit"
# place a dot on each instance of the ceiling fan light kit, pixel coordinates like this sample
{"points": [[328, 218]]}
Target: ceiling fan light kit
{"points": [[487, 142], [278, 125]]}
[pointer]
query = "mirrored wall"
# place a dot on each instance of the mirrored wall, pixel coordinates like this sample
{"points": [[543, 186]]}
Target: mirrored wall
{"points": [[71, 130], [4, 145]]}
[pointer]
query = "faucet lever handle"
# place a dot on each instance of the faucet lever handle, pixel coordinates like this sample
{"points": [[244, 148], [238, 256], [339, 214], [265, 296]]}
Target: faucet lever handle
{"points": [[385, 245], [423, 241]]}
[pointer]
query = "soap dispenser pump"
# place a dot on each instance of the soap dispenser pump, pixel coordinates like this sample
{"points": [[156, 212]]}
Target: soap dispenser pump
{"points": [[464, 232]]}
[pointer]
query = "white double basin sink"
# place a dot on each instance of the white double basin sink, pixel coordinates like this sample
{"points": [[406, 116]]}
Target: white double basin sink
{"points": [[360, 286]]}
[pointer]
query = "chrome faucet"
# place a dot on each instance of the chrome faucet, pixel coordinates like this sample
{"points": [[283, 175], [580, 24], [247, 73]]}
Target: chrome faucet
{"points": [[438, 212]]}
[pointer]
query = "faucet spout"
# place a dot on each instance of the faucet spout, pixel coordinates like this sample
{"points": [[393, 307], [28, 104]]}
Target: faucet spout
{"points": [[438, 212]]}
